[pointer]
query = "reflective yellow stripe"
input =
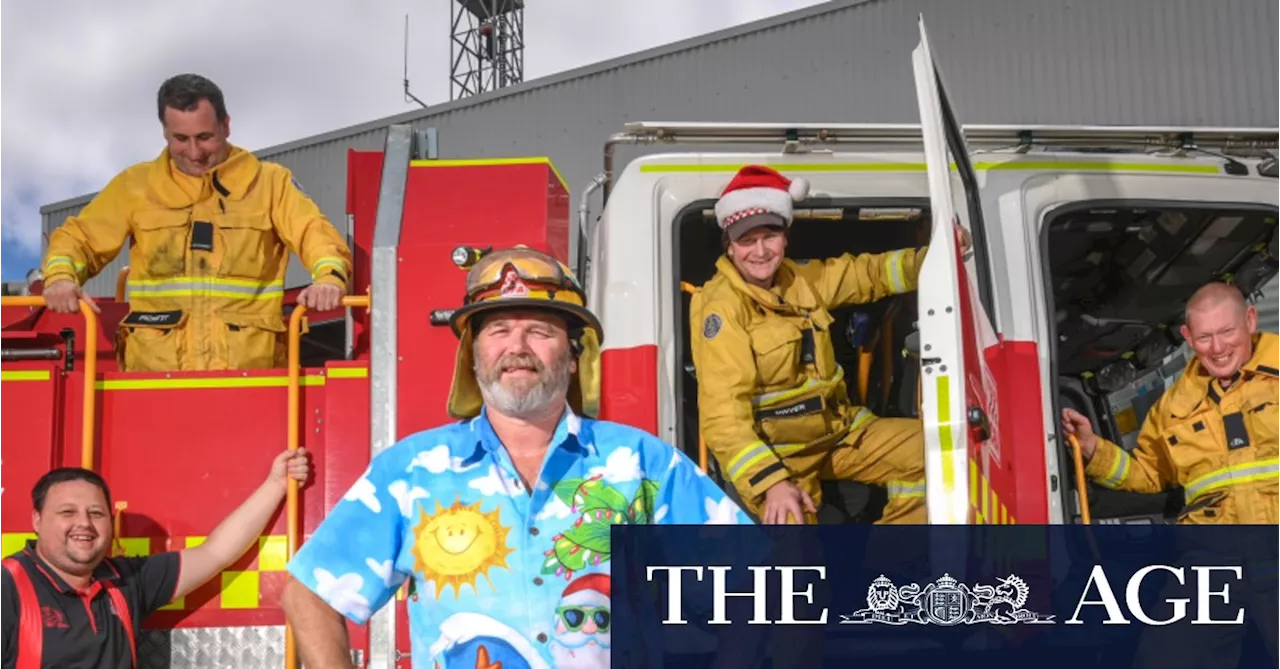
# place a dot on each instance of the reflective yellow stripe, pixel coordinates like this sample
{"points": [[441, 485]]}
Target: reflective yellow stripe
{"points": [[347, 372], [753, 452], [241, 289], [985, 501], [204, 383], [893, 270], [480, 162], [240, 590], [1078, 166], [944, 433], [1118, 471], [759, 451], [25, 375], [906, 489], [1247, 472], [58, 261], [322, 263], [764, 400]]}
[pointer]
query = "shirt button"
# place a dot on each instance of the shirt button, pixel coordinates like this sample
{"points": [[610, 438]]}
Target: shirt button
{"points": [[537, 580], [542, 637], [533, 531]]}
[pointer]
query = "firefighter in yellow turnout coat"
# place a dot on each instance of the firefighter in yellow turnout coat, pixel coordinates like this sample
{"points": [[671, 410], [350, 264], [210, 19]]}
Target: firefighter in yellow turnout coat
{"points": [[1213, 432], [212, 227], [772, 399]]}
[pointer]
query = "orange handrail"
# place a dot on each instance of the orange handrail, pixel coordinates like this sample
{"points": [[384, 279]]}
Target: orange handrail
{"points": [[291, 499], [122, 282], [89, 414], [1081, 490]]}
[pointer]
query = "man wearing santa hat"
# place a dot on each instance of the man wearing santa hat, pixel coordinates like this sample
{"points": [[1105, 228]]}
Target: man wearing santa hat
{"points": [[772, 401]]}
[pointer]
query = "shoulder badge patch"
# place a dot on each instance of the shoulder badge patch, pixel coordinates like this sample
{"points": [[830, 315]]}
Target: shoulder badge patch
{"points": [[711, 326]]}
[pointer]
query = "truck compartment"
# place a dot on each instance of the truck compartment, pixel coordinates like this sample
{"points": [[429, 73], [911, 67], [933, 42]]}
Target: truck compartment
{"points": [[1120, 274], [870, 339]]}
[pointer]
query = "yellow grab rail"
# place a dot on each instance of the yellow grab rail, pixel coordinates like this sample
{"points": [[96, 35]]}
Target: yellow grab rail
{"points": [[291, 500], [89, 412], [122, 283], [1081, 490]]}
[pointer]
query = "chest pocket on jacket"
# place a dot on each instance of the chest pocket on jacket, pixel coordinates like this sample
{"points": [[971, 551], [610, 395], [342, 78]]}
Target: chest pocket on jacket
{"points": [[1261, 416], [777, 346], [160, 238], [248, 244], [1196, 443]]}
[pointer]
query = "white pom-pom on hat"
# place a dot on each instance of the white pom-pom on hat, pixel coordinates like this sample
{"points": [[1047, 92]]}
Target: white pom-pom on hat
{"points": [[799, 188]]}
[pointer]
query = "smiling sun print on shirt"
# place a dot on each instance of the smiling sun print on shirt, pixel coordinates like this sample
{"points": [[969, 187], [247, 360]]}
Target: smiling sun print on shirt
{"points": [[455, 546]]}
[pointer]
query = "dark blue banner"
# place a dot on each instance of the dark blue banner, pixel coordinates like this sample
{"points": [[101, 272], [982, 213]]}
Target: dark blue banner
{"points": [[945, 597]]}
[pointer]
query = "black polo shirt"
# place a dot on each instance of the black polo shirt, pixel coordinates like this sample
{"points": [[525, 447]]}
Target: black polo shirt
{"points": [[80, 627]]}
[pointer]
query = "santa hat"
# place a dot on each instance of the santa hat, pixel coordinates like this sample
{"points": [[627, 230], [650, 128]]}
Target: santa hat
{"points": [[586, 590], [757, 196]]}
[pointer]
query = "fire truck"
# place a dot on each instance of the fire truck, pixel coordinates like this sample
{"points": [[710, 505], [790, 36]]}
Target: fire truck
{"points": [[1087, 242]]}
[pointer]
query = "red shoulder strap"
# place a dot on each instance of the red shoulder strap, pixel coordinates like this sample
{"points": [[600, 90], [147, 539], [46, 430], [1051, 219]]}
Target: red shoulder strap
{"points": [[121, 605], [30, 622]]}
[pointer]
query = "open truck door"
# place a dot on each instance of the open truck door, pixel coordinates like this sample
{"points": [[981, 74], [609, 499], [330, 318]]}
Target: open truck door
{"points": [[958, 393]]}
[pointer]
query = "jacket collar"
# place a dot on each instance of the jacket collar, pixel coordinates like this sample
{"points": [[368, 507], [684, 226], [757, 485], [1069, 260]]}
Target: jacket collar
{"points": [[1196, 382], [789, 293], [232, 179]]}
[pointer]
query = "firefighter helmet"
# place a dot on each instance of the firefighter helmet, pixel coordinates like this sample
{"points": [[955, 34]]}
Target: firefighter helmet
{"points": [[527, 279]]}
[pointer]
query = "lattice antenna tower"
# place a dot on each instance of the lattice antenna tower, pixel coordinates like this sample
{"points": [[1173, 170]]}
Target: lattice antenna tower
{"points": [[487, 50]]}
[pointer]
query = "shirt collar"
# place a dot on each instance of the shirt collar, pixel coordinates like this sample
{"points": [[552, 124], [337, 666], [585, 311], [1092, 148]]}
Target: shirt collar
{"points": [[572, 434], [105, 571]]}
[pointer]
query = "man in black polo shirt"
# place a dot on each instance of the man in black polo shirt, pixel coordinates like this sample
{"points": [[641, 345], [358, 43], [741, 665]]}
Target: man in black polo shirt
{"points": [[89, 607]]}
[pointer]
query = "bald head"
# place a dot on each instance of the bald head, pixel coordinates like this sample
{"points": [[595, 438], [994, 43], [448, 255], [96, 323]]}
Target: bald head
{"points": [[1212, 295], [1219, 327]]}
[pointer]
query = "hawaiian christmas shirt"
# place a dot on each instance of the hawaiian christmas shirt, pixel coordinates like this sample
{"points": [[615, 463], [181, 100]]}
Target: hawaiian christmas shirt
{"points": [[499, 574]]}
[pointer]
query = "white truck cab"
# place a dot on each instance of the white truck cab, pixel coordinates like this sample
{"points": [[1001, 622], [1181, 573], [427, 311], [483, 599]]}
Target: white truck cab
{"points": [[1087, 242]]}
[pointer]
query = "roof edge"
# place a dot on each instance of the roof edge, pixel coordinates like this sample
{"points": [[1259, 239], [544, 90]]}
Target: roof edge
{"points": [[582, 72]]}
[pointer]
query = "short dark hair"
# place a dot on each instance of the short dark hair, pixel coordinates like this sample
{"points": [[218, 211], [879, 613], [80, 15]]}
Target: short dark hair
{"points": [[184, 91], [62, 475]]}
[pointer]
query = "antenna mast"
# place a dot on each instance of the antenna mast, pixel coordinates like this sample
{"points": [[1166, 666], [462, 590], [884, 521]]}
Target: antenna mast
{"points": [[487, 50]]}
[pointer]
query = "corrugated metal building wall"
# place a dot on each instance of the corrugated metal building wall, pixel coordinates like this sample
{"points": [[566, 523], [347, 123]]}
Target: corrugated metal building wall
{"points": [[1140, 62]]}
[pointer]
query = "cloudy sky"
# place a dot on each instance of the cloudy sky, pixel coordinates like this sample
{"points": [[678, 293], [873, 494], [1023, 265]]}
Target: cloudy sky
{"points": [[78, 79]]}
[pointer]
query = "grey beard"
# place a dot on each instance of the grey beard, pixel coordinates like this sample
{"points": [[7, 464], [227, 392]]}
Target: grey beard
{"points": [[529, 402]]}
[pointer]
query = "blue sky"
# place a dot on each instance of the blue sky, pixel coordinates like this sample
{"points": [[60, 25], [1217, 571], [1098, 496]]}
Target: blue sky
{"points": [[78, 112]]}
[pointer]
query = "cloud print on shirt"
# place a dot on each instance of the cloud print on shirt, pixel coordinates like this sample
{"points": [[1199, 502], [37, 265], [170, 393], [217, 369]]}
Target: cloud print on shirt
{"points": [[622, 466], [342, 593], [405, 495], [724, 512], [554, 508], [438, 460], [496, 481], [365, 492]]}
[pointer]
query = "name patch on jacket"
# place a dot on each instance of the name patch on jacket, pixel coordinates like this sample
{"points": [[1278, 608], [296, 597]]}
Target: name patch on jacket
{"points": [[202, 236], [154, 318], [811, 405], [1237, 434]]}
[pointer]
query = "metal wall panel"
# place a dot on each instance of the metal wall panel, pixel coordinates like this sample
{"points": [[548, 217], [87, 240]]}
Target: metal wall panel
{"points": [[1148, 62]]}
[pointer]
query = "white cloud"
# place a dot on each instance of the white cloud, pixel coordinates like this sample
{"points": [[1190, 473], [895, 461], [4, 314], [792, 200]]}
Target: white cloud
{"points": [[383, 570], [724, 512], [622, 466], [365, 492], [555, 508], [405, 496], [496, 481], [438, 460], [660, 514], [283, 81], [343, 593]]}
